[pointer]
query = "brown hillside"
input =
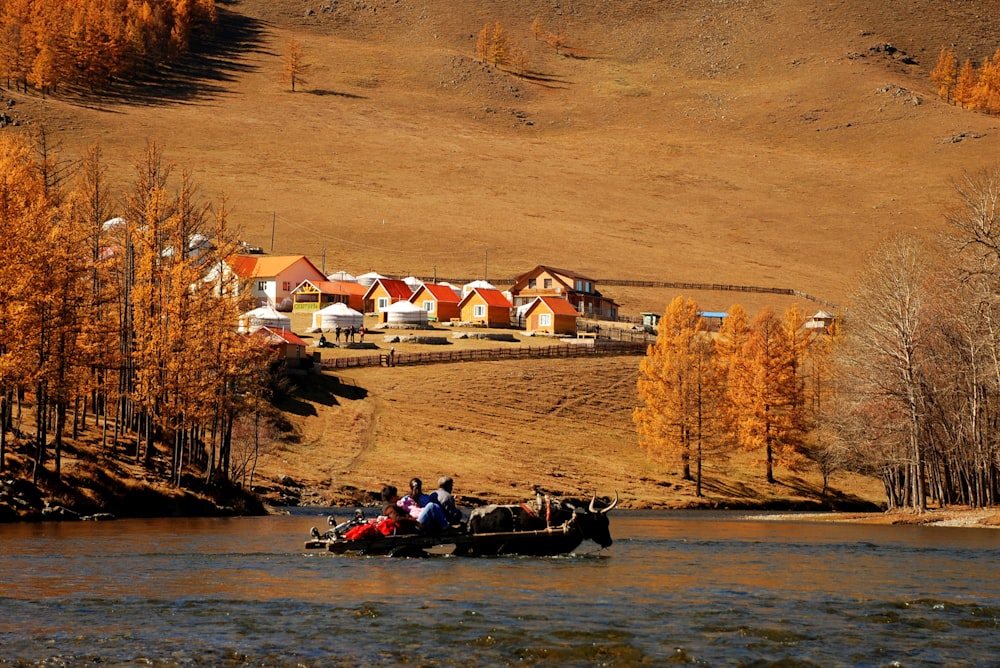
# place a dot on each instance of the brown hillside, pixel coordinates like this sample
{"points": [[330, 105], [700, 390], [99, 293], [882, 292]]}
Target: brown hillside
{"points": [[736, 143], [764, 143]]}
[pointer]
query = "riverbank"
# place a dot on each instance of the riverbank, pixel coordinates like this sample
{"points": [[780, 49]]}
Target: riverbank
{"points": [[982, 518]]}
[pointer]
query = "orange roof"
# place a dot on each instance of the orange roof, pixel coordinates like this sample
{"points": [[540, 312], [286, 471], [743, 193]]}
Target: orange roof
{"points": [[491, 297], [256, 266], [557, 305], [336, 287], [442, 293]]}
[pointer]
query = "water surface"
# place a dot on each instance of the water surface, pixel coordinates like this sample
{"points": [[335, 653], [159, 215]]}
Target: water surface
{"points": [[699, 587]]}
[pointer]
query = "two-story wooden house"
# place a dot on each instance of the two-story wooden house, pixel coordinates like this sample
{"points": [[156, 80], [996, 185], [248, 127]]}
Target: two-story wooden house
{"points": [[580, 291]]}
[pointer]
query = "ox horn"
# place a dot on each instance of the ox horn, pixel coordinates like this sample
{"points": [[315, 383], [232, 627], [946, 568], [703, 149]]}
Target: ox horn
{"points": [[603, 510]]}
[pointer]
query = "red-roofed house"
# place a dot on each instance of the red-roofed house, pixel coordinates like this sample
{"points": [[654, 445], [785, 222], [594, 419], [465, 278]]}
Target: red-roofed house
{"points": [[551, 315], [487, 307], [385, 291], [312, 295], [440, 302], [272, 278], [291, 349], [580, 291]]}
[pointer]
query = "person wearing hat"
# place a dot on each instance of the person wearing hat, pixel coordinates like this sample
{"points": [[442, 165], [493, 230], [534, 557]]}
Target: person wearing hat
{"points": [[443, 497]]}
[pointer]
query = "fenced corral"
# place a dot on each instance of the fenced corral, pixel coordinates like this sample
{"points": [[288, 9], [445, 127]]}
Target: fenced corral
{"points": [[596, 349], [718, 287]]}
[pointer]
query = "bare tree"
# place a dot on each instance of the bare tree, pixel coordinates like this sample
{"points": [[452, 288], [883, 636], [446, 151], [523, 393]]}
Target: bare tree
{"points": [[887, 352]]}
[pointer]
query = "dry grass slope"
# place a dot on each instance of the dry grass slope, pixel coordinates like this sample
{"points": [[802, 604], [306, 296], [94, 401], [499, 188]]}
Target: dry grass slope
{"points": [[763, 143]]}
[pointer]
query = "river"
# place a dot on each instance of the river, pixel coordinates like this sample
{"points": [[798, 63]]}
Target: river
{"points": [[683, 587]]}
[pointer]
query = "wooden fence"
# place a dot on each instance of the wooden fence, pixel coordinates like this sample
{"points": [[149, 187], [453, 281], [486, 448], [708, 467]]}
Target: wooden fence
{"points": [[598, 349]]}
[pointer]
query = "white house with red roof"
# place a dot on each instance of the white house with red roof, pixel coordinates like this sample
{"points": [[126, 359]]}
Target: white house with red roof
{"points": [[272, 278]]}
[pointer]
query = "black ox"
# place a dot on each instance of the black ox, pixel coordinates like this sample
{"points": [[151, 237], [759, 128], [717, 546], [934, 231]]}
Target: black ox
{"points": [[589, 521]]}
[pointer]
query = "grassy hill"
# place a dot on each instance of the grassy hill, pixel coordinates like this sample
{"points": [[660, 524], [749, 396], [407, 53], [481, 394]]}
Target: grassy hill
{"points": [[765, 143]]}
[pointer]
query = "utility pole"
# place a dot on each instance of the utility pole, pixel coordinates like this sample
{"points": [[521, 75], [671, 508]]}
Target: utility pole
{"points": [[274, 219], [486, 265], [323, 263]]}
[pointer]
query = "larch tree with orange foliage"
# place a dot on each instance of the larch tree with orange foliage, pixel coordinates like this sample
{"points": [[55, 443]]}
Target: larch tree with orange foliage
{"points": [[732, 336], [23, 204], [677, 385], [986, 93], [493, 45], [44, 43], [766, 392], [945, 73], [294, 65], [537, 31]]}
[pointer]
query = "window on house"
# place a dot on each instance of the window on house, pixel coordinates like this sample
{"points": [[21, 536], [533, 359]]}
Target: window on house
{"points": [[532, 283], [261, 286], [479, 311], [548, 283], [286, 286], [544, 319], [429, 306], [383, 303]]}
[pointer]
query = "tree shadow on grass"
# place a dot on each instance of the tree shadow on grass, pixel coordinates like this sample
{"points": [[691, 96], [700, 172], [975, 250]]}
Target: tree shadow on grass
{"points": [[324, 91], [213, 62], [323, 389]]}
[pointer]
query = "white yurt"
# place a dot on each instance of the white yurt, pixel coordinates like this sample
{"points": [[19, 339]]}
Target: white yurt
{"points": [[343, 277], [369, 278], [265, 316], [337, 315], [404, 313], [457, 290], [413, 282], [469, 287]]}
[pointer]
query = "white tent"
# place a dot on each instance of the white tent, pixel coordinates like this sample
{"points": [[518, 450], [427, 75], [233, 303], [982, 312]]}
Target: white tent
{"points": [[112, 224], [413, 282], [337, 315], [404, 313], [265, 316], [457, 290], [369, 278], [469, 287], [342, 276]]}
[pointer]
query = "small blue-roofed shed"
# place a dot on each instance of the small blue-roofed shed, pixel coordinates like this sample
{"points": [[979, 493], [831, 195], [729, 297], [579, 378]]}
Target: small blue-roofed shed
{"points": [[713, 318]]}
